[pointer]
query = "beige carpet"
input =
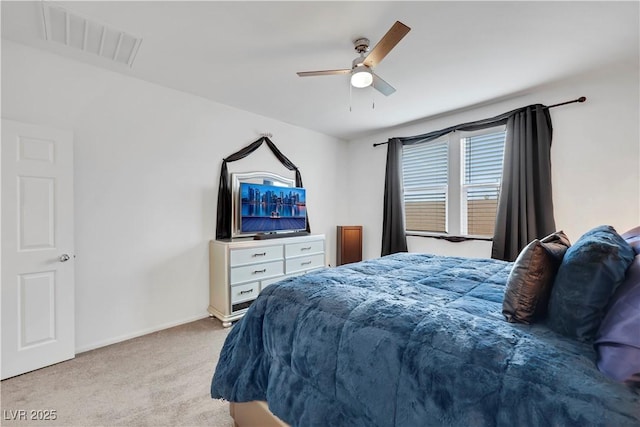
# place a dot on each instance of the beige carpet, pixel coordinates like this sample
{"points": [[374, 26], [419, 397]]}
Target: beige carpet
{"points": [[160, 379]]}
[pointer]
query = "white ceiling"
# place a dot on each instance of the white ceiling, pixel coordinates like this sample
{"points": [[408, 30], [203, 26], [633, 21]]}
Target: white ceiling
{"points": [[246, 54]]}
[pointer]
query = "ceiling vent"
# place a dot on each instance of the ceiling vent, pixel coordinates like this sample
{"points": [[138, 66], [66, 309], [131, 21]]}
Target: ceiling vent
{"points": [[72, 30]]}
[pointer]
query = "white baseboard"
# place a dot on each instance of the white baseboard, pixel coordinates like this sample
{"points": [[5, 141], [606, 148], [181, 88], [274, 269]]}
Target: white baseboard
{"points": [[121, 338]]}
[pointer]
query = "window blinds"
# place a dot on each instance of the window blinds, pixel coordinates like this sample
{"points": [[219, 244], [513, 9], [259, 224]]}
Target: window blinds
{"points": [[425, 176], [483, 157]]}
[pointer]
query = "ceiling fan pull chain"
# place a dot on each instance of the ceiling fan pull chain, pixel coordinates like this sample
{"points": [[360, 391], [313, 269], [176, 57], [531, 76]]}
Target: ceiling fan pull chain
{"points": [[350, 96], [373, 96]]}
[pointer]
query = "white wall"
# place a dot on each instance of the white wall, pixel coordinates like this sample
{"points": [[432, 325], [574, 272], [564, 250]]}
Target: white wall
{"points": [[595, 159], [147, 162]]}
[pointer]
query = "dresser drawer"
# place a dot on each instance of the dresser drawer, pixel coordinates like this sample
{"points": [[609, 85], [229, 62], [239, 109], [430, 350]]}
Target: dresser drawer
{"points": [[254, 272], [305, 263], [253, 255], [244, 292], [306, 248]]}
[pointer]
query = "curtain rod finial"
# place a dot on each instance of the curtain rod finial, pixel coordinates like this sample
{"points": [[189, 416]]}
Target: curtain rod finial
{"points": [[582, 99]]}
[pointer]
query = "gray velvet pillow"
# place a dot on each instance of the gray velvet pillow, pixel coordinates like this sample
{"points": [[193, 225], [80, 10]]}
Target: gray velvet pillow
{"points": [[618, 340], [529, 283], [633, 238], [590, 272]]}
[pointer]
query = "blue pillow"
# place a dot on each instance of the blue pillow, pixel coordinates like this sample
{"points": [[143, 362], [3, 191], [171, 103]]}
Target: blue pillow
{"points": [[589, 274], [618, 340]]}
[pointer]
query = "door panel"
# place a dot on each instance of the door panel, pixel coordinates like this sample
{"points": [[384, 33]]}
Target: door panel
{"points": [[37, 308], [36, 213], [37, 228]]}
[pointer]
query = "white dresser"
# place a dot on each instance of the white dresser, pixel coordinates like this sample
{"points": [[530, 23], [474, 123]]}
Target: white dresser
{"points": [[240, 269]]}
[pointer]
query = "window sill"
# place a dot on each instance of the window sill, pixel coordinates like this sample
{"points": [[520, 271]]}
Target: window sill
{"points": [[453, 239]]}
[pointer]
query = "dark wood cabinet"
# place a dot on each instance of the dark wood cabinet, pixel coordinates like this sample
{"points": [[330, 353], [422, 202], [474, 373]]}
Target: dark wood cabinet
{"points": [[349, 244]]}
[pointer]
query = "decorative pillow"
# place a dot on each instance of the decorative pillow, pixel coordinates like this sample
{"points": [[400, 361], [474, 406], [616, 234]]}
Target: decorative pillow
{"points": [[618, 340], [633, 238], [529, 283], [590, 272]]}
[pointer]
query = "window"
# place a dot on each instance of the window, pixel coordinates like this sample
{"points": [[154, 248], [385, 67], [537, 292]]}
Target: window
{"points": [[451, 185], [425, 174]]}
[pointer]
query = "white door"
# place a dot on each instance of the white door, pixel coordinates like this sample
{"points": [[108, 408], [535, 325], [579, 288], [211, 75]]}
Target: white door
{"points": [[37, 247]]}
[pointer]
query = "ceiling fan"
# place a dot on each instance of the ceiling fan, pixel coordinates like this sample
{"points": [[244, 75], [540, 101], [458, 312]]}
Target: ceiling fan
{"points": [[361, 70]]}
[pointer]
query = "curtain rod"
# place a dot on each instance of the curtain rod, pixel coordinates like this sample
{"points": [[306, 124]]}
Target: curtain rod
{"points": [[581, 99]]}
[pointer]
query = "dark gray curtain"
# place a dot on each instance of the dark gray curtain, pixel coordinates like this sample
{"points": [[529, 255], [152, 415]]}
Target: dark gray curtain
{"points": [[394, 238], [525, 208], [223, 219]]}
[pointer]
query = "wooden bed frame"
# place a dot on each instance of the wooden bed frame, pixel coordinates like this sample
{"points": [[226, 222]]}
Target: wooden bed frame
{"points": [[254, 414]]}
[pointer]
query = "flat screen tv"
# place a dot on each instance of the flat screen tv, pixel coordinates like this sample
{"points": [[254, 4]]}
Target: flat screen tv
{"points": [[266, 208]]}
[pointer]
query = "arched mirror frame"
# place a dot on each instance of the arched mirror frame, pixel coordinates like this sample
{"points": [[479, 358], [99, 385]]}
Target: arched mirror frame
{"points": [[253, 178]]}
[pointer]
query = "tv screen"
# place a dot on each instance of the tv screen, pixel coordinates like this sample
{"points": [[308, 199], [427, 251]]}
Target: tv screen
{"points": [[269, 208]]}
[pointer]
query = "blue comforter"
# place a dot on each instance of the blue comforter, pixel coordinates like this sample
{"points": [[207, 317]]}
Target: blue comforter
{"points": [[411, 340]]}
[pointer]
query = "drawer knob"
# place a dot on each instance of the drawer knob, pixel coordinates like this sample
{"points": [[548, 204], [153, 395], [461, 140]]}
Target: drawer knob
{"points": [[259, 254], [246, 292], [306, 263], [264, 270], [306, 248]]}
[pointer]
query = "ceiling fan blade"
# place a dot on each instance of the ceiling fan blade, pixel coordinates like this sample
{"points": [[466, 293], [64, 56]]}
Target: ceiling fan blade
{"points": [[388, 42], [323, 73], [382, 86]]}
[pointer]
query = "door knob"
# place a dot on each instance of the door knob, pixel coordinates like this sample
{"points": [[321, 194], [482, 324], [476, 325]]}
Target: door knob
{"points": [[64, 258]]}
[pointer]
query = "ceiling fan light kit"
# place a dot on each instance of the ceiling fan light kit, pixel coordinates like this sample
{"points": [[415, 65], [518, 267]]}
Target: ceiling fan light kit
{"points": [[361, 71], [361, 77]]}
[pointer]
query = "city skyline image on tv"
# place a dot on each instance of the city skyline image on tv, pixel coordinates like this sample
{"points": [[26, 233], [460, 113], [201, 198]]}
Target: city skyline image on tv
{"points": [[268, 208]]}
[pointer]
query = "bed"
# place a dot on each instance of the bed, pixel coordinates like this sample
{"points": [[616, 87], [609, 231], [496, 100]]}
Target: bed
{"points": [[409, 340]]}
